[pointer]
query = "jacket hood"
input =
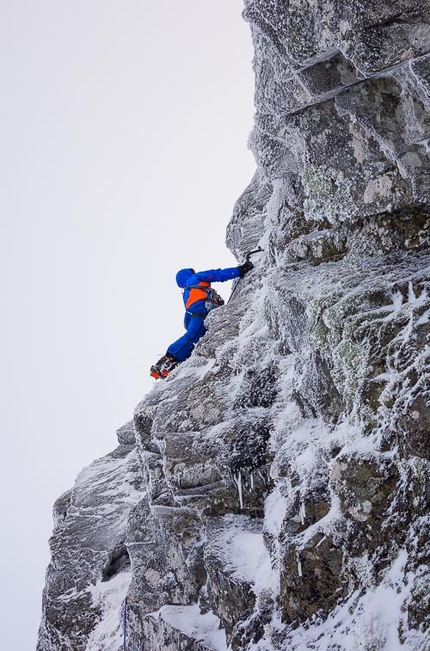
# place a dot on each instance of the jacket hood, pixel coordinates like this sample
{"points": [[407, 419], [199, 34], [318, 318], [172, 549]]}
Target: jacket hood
{"points": [[183, 275]]}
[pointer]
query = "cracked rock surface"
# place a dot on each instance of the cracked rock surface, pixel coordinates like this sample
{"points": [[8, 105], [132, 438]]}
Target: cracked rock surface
{"points": [[273, 493]]}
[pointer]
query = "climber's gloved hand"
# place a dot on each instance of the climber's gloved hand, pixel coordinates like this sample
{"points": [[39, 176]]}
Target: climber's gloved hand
{"points": [[245, 267]]}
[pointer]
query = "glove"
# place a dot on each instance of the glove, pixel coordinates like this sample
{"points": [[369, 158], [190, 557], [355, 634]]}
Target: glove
{"points": [[245, 267]]}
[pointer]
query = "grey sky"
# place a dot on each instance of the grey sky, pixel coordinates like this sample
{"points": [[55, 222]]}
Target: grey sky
{"points": [[123, 149]]}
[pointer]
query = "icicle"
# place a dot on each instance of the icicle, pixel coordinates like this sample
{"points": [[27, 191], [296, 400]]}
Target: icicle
{"points": [[321, 541], [299, 566], [302, 512], [238, 482]]}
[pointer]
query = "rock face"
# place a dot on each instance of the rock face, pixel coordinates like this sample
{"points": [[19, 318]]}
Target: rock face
{"points": [[273, 493]]}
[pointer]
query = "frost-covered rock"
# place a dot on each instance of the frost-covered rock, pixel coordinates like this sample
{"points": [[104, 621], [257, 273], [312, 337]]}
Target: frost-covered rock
{"points": [[273, 493], [90, 571]]}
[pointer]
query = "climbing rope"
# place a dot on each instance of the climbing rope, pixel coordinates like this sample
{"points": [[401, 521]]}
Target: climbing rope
{"points": [[124, 626]]}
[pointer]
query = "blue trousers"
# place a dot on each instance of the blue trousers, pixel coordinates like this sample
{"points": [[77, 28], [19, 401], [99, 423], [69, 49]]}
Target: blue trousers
{"points": [[183, 347]]}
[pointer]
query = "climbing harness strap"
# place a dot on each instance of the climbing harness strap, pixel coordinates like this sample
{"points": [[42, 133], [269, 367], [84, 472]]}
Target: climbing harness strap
{"points": [[203, 315]]}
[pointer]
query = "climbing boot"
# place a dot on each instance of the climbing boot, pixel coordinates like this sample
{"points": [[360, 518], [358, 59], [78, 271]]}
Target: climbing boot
{"points": [[163, 367]]}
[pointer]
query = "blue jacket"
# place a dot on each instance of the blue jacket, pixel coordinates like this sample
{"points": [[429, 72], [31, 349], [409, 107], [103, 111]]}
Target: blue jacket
{"points": [[187, 278]]}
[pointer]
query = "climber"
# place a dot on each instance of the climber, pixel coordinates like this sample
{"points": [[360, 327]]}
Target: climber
{"points": [[199, 299]]}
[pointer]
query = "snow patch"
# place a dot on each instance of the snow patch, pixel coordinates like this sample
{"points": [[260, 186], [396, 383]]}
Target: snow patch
{"points": [[241, 548], [109, 597], [190, 621]]}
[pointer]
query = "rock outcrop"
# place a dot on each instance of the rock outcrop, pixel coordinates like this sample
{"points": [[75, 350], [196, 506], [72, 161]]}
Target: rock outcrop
{"points": [[274, 492]]}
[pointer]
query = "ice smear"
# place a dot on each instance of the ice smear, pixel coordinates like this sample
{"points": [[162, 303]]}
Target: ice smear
{"points": [[109, 596], [190, 621]]}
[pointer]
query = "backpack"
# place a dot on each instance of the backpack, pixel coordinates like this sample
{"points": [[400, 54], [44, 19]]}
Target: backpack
{"points": [[211, 297]]}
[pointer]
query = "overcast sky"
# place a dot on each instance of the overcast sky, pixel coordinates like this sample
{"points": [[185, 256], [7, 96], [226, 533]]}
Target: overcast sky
{"points": [[123, 134]]}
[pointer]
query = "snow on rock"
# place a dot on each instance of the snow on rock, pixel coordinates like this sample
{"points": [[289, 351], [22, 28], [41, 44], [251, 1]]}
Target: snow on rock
{"points": [[89, 574], [285, 481], [108, 633], [186, 624]]}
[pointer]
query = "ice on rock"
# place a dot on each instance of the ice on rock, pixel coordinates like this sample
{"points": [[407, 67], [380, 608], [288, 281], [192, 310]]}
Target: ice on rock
{"points": [[274, 493]]}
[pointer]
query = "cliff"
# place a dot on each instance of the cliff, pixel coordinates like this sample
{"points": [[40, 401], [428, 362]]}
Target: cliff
{"points": [[273, 493]]}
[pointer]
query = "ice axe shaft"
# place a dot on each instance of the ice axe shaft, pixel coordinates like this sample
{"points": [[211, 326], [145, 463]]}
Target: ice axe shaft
{"points": [[247, 256]]}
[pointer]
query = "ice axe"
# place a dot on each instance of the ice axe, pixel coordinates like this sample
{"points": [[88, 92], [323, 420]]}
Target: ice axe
{"points": [[248, 255]]}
